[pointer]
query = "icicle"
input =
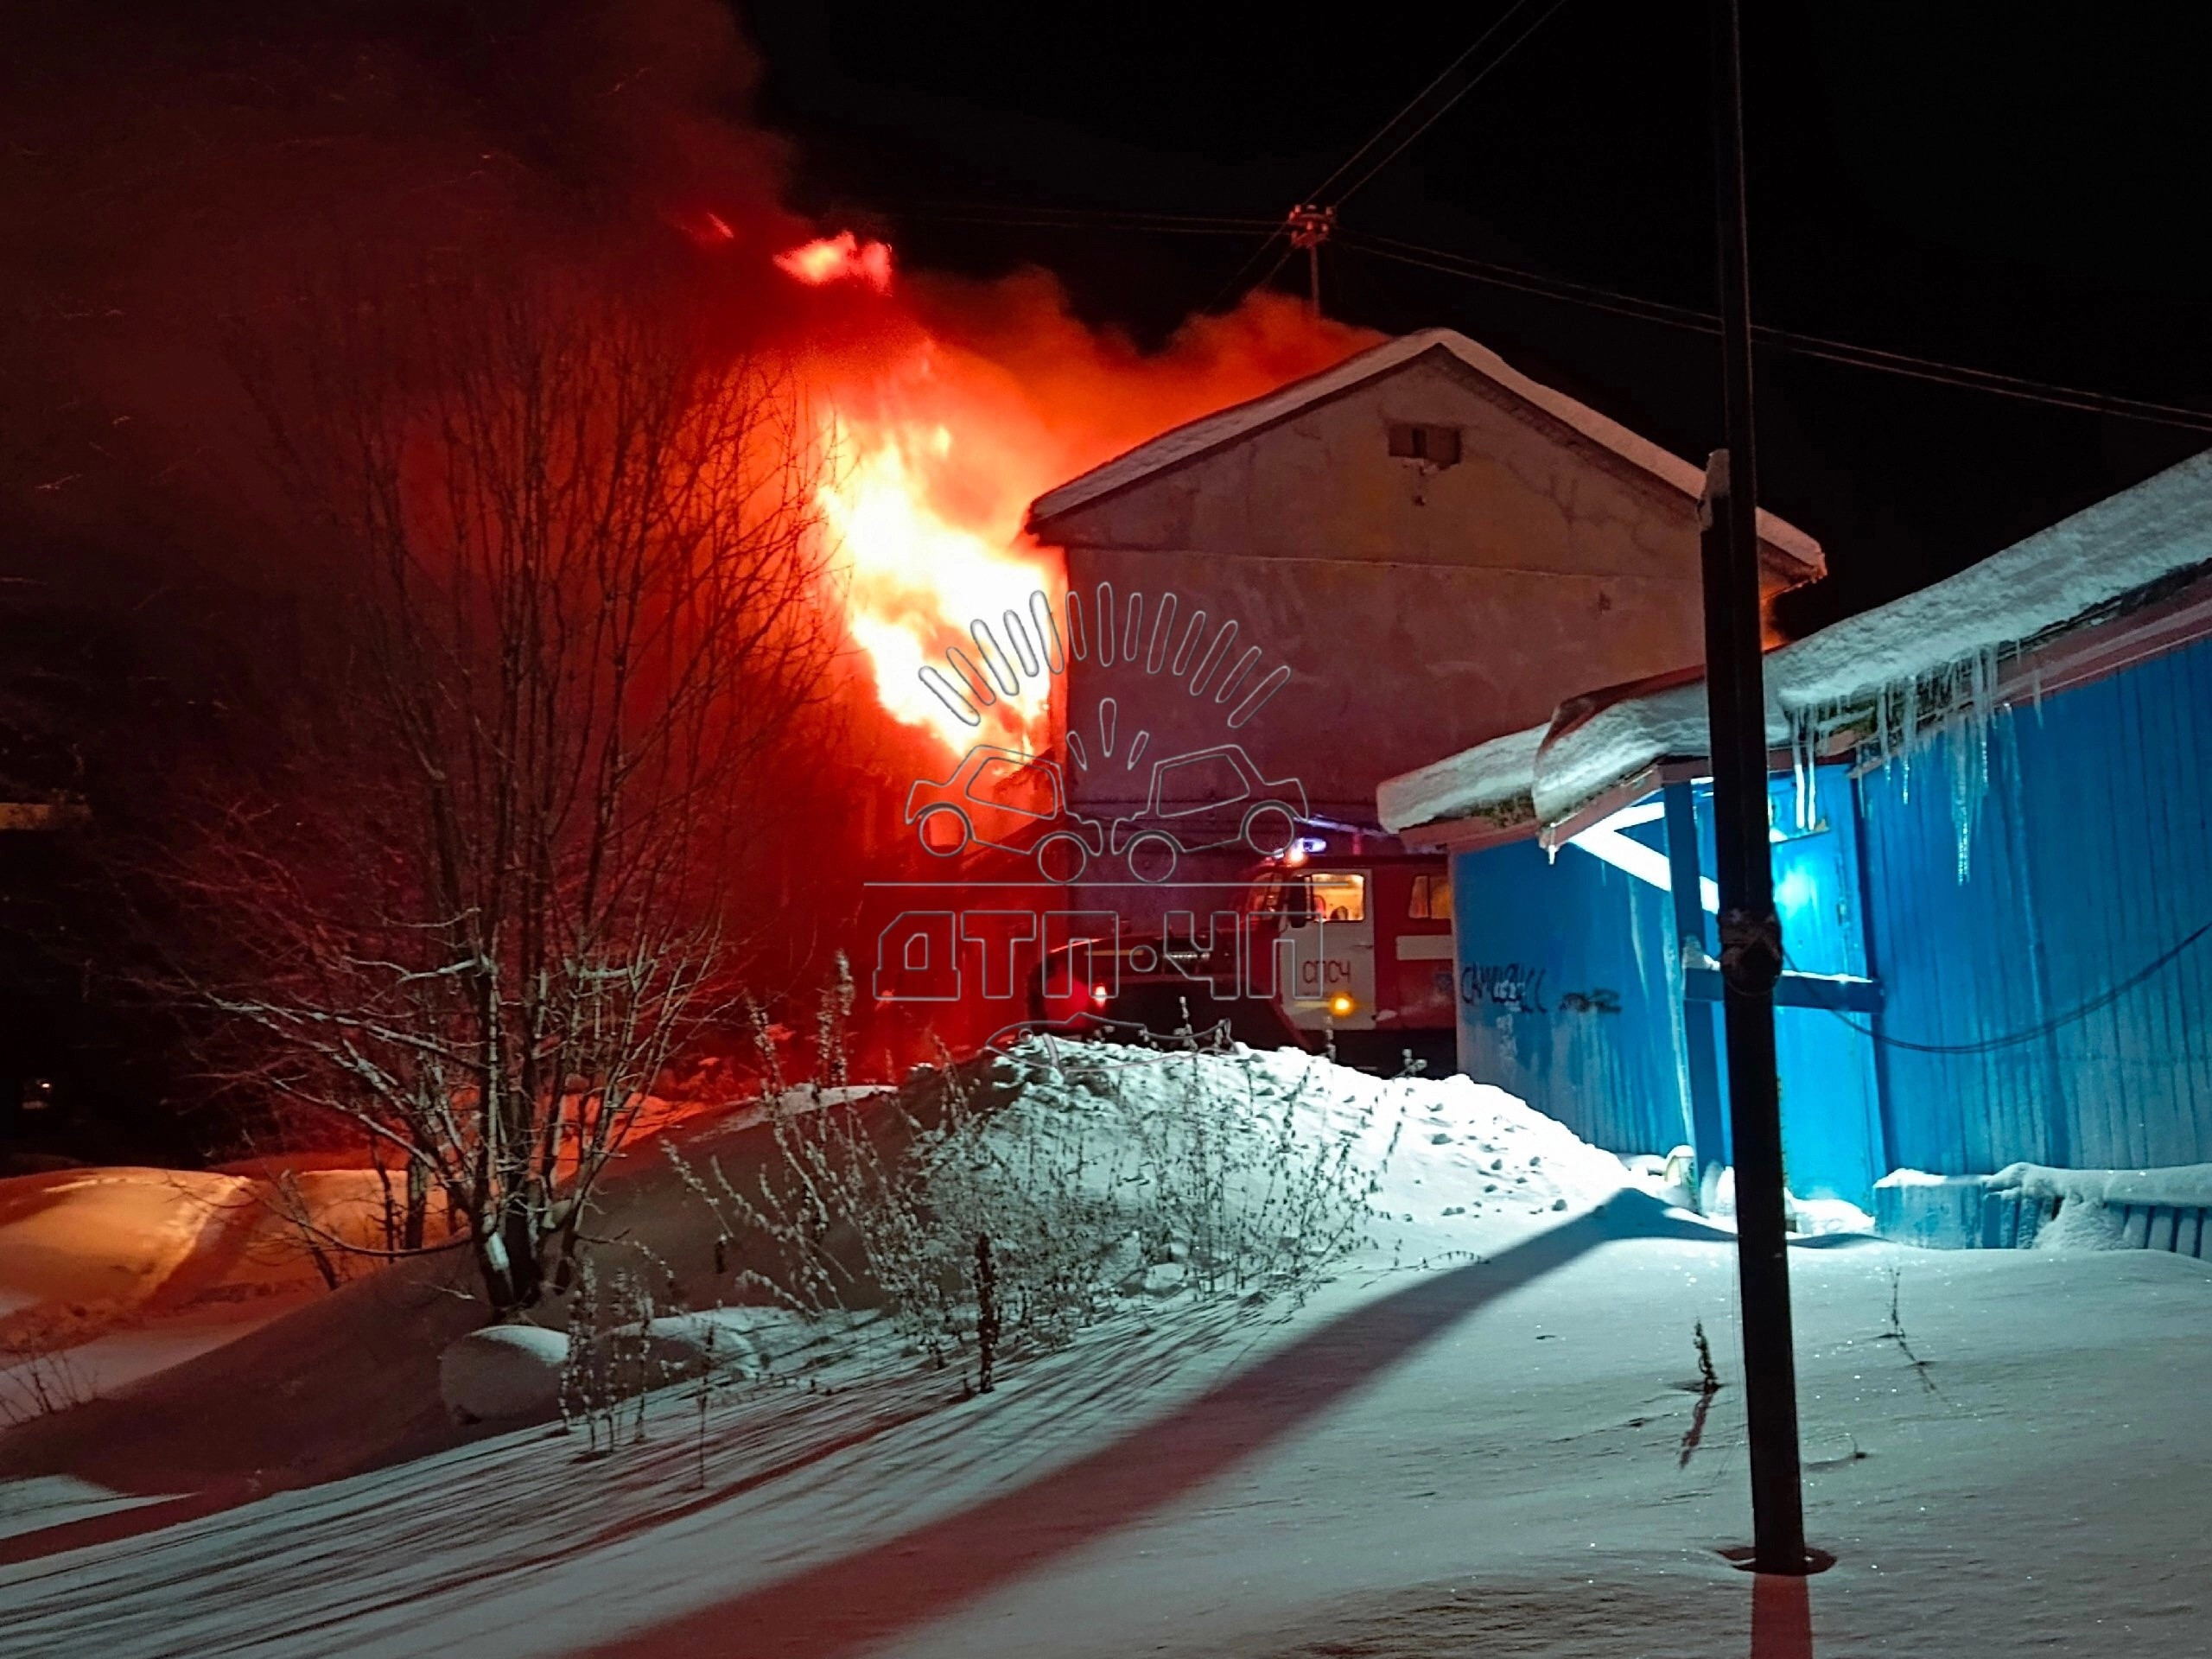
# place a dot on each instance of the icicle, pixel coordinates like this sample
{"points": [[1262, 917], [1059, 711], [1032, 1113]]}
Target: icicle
{"points": [[1971, 696], [1800, 749], [1908, 727], [1885, 744]]}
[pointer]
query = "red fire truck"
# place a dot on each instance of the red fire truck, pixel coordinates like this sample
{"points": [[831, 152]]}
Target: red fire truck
{"points": [[1354, 950]]}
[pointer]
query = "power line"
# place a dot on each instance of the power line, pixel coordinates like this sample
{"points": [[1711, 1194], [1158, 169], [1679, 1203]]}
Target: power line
{"points": [[1445, 104], [1319, 206], [1835, 351], [2042, 1028], [1527, 282], [1234, 285], [1083, 219]]}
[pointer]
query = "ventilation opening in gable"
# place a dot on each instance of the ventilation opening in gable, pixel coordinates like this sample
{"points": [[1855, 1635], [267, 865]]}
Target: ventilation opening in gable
{"points": [[1437, 445]]}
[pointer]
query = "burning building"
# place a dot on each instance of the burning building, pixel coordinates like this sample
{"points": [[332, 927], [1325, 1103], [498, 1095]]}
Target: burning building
{"points": [[1407, 553], [1258, 615]]}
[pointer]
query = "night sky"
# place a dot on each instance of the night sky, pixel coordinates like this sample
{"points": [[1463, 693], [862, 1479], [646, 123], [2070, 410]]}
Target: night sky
{"points": [[1924, 180], [1943, 181]]}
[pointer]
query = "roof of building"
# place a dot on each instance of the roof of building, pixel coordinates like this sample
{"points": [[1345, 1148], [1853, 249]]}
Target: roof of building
{"points": [[1902, 665], [1187, 442]]}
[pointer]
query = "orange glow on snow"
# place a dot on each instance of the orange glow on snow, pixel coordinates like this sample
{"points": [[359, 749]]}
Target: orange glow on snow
{"points": [[842, 257]]}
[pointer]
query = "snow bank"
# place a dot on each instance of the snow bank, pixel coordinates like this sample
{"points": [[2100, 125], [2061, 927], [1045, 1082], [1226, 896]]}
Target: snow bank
{"points": [[1447, 1160], [1805, 1217], [511, 1373], [2183, 1187], [134, 1269], [90, 1239], [729, 1341], [107, 1241], [503, 1373]]}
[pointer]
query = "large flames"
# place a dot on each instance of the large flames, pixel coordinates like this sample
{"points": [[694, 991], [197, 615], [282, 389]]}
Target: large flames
{"points": [[916, 580], [942, 416]]}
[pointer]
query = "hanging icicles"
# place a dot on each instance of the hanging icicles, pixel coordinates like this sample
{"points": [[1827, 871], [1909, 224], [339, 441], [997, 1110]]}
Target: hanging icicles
{"points": [[1972, 705], [1953, 703]]}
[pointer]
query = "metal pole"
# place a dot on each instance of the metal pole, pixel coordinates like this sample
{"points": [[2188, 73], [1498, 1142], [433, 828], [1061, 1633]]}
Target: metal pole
{"points": [[1751, 933], [1684, 872]]}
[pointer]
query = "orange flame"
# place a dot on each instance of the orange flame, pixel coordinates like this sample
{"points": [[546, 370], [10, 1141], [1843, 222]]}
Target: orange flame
{"points": [[916, 580], [946, 411], [842, 257]]}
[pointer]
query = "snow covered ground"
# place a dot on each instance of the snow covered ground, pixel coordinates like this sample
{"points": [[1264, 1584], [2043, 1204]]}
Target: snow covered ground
{"points": [[133, 1270], [1483, 1437]]}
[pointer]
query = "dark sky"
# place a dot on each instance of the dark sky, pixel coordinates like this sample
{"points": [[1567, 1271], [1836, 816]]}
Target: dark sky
{"points": [[1947, 182]]}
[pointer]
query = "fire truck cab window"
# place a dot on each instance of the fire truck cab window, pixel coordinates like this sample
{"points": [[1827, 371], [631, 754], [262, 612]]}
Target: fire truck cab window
{"points": [[1431, 901], [1333, 896]]}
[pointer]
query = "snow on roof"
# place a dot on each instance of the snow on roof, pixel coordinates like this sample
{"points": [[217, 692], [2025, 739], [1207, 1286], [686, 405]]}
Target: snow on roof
{"points": [[1484, 779], [2077, 572], [2058, 577], [1199, 437]]}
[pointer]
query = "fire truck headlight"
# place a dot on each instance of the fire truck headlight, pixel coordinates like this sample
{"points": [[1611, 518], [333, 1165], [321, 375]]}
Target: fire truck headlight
{"points": [[1341, 1004]]}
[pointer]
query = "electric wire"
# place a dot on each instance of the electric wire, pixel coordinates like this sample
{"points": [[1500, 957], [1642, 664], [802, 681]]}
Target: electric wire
{"points": [[1083, 219], [1815, 345], [1433, 116], [2044, 1028], [1235, 285]]}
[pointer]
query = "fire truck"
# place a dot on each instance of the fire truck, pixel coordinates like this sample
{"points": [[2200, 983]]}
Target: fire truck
{"points": [[1352, 952]]}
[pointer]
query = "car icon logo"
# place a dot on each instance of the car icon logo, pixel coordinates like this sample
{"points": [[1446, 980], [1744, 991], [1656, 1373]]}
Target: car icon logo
{"points": [[1016, 803], [1203, 799]]}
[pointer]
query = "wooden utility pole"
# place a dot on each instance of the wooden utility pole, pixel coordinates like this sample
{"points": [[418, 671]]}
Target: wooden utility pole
{"points": [[1751, 933], [1310, 225]]}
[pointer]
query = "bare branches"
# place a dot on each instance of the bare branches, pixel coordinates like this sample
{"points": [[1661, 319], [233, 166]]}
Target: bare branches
{"points": [[580, 575]]}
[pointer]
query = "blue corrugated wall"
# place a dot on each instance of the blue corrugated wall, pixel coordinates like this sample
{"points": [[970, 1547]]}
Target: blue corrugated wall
{"points": [[1569, 992], [2089, 861], [1832, 1137], [2090, 858]]}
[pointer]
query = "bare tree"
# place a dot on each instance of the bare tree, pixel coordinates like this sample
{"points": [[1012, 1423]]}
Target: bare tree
{"points": [[581, 622]]}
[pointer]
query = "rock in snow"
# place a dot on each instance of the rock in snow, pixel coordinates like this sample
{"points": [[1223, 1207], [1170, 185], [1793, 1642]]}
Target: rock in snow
{"points": [[512, 1373]]}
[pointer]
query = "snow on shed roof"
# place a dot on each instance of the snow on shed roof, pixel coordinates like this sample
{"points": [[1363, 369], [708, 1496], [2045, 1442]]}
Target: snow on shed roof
{"points": [[1482, 779], [1186, 442], [2080, 571], [2058, 578]]}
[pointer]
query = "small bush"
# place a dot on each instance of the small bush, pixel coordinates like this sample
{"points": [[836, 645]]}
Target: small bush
{"points": [[39, 1382], [1019, 1199], [612, 1363]]}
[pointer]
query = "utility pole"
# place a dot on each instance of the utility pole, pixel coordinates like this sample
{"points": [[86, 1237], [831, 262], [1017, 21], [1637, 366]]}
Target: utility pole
{"points": [[1750, 932], [1310, 225]]}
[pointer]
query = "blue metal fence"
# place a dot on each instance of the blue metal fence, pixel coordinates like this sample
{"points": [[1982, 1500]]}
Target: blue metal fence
{"points": [[2090, 859], [1569, 994]]}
